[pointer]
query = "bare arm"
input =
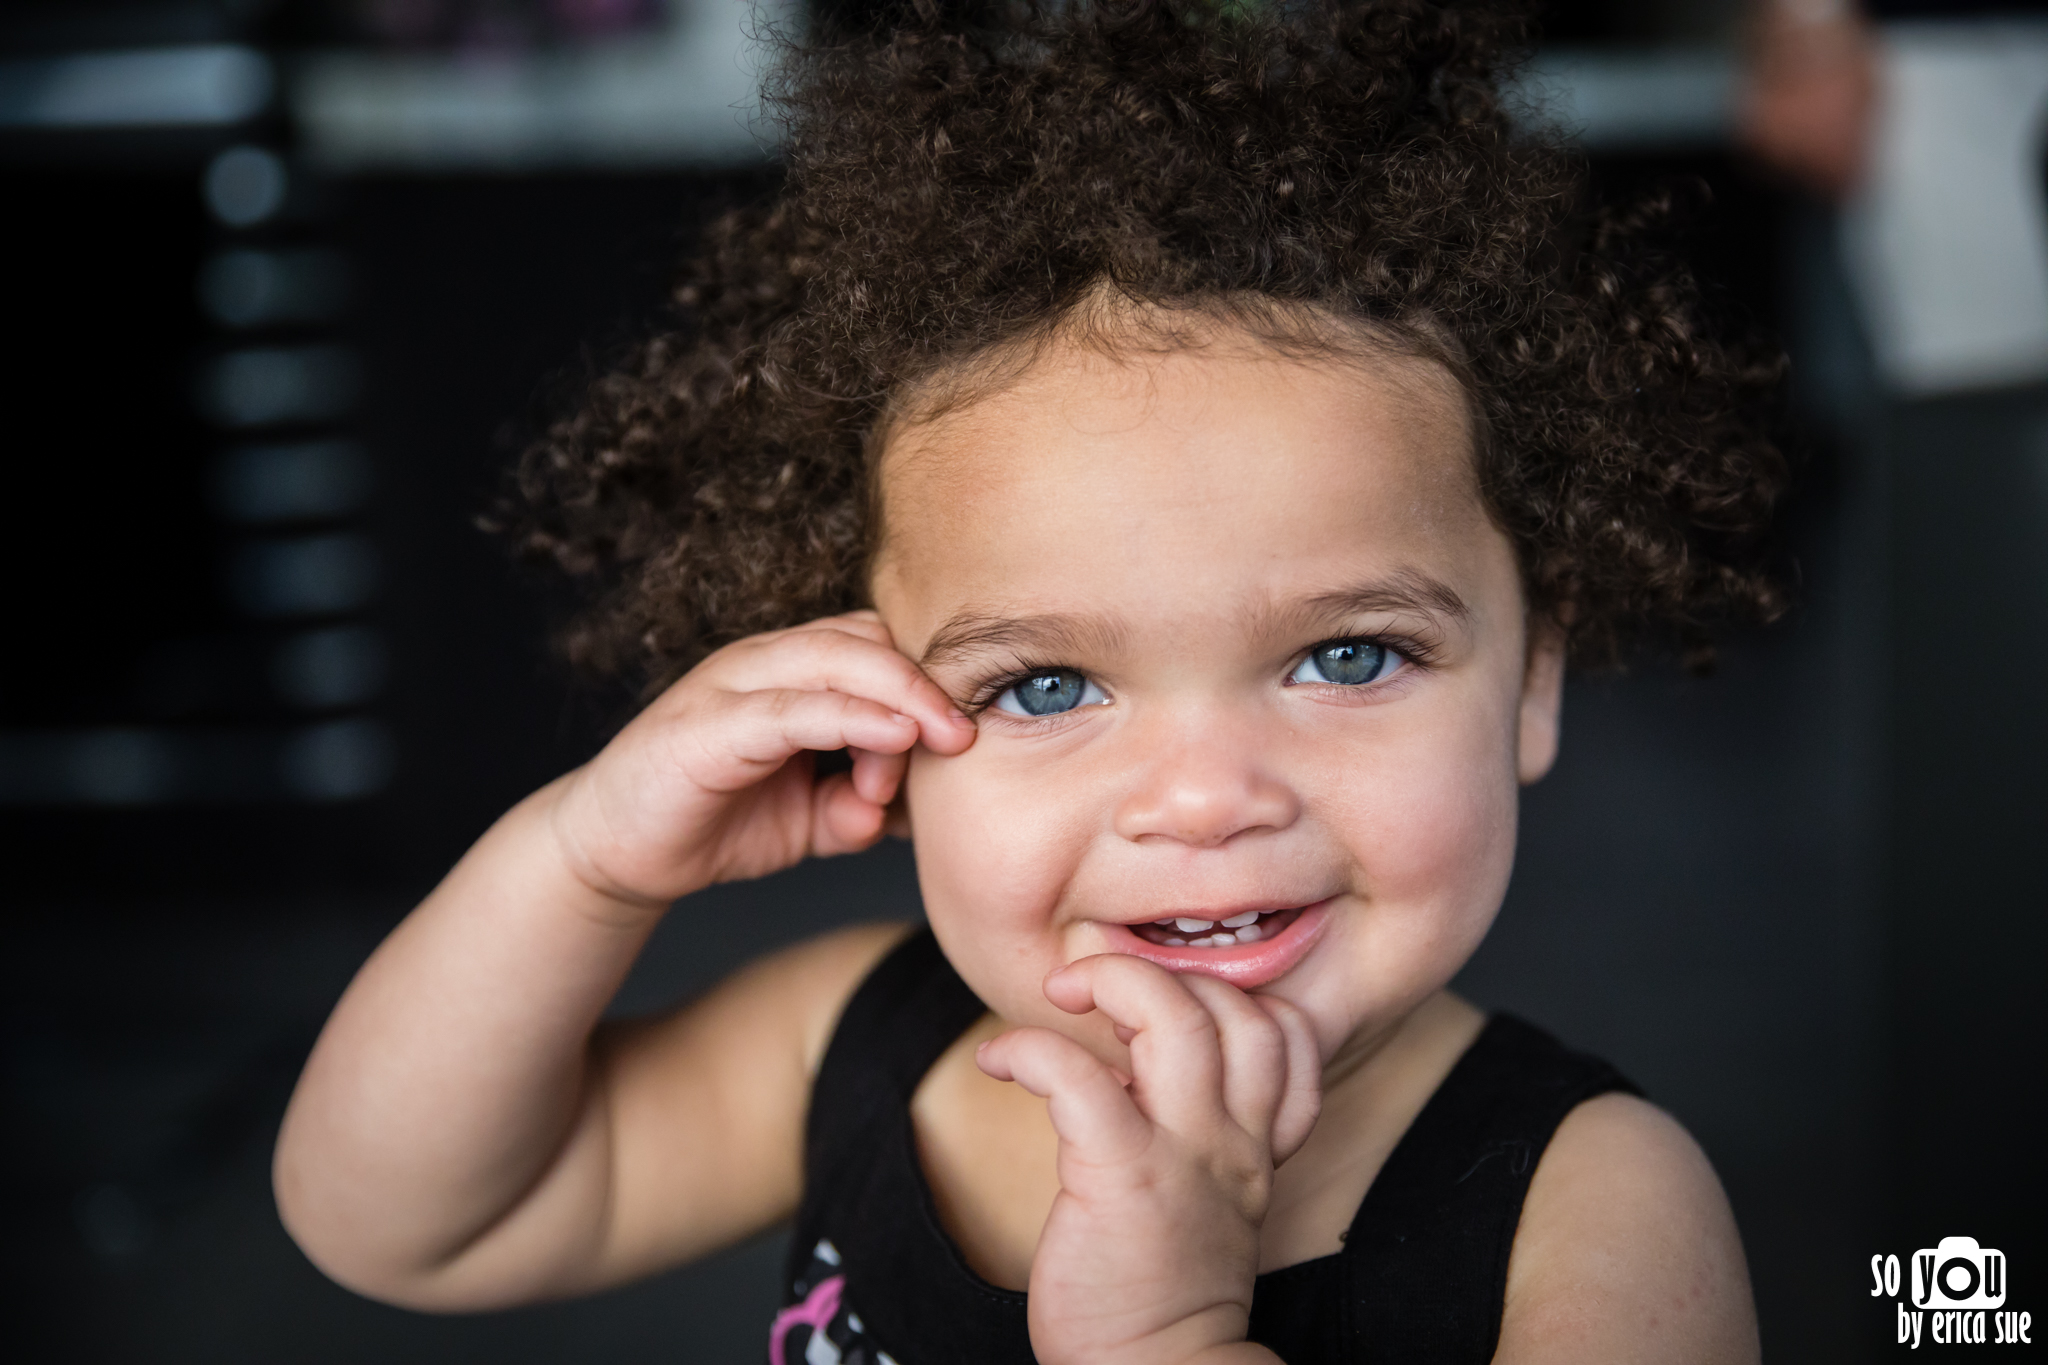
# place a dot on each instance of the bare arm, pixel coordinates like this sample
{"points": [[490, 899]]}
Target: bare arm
{"points": [[464, 1136], [549, 1161], [1627, 1250]]}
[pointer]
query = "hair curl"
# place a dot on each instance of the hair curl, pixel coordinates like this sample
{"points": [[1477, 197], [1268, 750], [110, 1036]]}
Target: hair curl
{"points": [[954, 189]]}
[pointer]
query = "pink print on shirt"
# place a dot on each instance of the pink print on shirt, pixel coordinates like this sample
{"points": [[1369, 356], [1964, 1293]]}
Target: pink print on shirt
{"points": [[822, 1330]]}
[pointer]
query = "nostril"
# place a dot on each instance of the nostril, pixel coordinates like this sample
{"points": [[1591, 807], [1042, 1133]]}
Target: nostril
{"points": [[1204, 800]]}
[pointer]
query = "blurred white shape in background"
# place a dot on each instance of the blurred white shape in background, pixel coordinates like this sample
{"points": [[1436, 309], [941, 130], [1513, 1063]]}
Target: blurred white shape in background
{"points": [[323, 669], [338, 761], [688, 94], [1948, 240], [1627, 98], [247, 287], [245, 185], [298, 481], [343, 759], [118, 767], [266, 385], [318, 575], [150, 87]]}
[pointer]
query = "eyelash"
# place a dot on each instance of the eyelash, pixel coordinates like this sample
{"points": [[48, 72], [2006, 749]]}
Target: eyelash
{"points": [[1416, 650], [984, 696]]}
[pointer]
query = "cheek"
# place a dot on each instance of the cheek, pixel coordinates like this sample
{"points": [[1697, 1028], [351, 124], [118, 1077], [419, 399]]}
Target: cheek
{"points": [[992, 863], [1435, 824], [1430, 821]]}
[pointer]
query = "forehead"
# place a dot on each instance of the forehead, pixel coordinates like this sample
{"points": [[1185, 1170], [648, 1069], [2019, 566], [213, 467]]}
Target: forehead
{"points": [[1221, 472]]}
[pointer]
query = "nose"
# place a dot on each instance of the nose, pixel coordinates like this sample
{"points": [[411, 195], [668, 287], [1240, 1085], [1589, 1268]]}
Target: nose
{"points": [[1203, 791]]}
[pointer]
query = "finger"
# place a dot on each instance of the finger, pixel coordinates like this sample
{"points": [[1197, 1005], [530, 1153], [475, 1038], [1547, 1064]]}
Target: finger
{"points": [[1302, 1099], [1254, 1054], [865, 623], [842, 820], [1090, 1109], [1176, 1060], [828, 658], [878, 777], [751, 734]]}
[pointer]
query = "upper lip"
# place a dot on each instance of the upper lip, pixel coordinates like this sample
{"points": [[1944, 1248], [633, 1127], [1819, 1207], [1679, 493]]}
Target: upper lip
{"points": [[1215, 913]]}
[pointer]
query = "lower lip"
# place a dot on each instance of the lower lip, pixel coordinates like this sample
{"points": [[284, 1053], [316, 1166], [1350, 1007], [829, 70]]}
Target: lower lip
{"points": [[1244, 966]]}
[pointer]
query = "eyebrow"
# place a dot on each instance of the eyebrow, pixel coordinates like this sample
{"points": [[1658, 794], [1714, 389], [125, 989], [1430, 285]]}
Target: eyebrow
{"points": [[1053, 636], [1050, 636], [1402, 590]]}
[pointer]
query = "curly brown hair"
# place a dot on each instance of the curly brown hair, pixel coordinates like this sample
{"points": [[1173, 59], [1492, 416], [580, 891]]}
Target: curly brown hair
{"points": [[954, 188]]}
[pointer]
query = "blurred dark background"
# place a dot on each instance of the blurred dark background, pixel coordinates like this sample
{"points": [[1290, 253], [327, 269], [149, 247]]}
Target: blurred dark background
{"points": [[288, 283]]}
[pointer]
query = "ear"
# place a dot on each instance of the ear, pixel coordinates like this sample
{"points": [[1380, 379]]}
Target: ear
{"points": [[1542, 699]]}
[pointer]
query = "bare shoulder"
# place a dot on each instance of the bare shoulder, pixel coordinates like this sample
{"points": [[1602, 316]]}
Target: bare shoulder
{"points": [[824, 972], [725, 1080], [793, 996], [1627, 1249]]}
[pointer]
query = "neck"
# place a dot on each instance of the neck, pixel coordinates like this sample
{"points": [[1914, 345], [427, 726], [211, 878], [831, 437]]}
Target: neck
{"points": [[1386, 1041]]}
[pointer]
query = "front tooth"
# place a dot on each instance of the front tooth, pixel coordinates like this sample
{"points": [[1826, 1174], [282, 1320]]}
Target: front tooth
{"points": [[1223, 941], [1194, 926], [1240, 921], [1251, 933], [1164, 923], [1173, 942]]}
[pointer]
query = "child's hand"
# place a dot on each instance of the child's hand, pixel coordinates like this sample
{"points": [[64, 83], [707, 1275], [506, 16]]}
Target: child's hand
{"points": [[1153, 1241], [712, 782], [460, 1140]]}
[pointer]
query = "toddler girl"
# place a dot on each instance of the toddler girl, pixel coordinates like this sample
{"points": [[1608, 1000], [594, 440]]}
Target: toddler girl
{"points": [[1172, 448]]}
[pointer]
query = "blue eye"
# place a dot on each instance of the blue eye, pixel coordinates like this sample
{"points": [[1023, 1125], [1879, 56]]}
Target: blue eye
{"points": [[1050, 694], [1347, 663]]}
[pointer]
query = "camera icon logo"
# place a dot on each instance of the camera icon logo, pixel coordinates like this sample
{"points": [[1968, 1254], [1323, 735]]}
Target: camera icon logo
{"points": [[1958, 1274]]}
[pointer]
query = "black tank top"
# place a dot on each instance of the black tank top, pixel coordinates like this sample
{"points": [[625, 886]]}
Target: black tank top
{"points": [[873, 1279]]}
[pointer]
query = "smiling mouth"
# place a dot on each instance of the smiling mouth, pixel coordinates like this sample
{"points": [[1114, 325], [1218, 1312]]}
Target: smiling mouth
{"points": [[1191, 931]]}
